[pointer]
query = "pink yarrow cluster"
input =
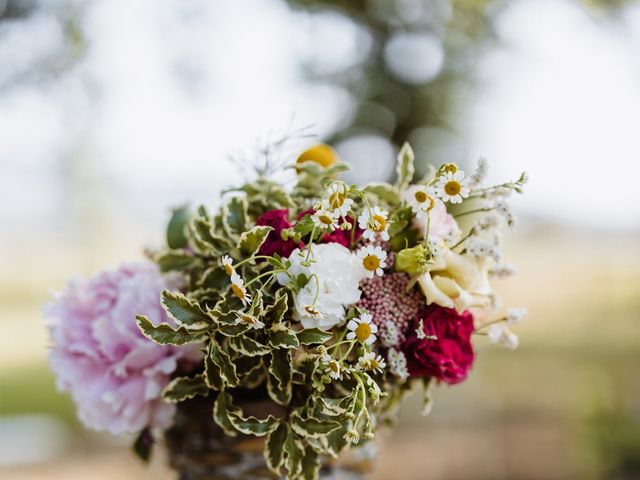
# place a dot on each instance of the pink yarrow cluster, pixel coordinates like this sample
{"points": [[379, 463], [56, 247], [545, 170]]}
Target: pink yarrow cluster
{"points": [[114, 374], [386, 298]]}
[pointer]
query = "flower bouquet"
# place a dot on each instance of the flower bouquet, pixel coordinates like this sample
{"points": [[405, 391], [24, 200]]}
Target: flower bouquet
{"points": [[297, 316]]}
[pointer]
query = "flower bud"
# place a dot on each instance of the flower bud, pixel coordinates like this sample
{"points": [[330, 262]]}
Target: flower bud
{"points": [[412, 260]]}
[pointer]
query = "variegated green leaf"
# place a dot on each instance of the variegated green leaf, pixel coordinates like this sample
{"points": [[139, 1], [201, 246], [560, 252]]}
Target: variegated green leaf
{"points": [[175, 260], [310, 465], [311, 336], [184, 311], [384, 192], [221, 408], [252, 240], [234, 215], [222, 359], [248, 346], [233, 330], [164, 334], [295, 453], [280, 336], [211, 371], [279, 379], [405, 168], [274, 448], [182, 388], [215, 277], [252, 425], [275, 312], [176, 237], [312, 427]]}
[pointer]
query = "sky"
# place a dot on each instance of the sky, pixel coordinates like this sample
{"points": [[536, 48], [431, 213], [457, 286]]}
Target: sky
{"points": [[168, 89]]}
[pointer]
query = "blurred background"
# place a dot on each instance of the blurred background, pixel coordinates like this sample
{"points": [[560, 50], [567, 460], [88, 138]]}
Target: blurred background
{"points": [[113, 112]]}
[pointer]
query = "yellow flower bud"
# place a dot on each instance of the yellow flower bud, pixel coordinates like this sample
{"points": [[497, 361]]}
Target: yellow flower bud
{"points": [[412, 260], [322, 154]]}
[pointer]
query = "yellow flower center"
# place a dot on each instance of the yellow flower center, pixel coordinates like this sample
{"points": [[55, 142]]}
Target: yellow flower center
{"points": [[452, 188], [238, 291], [336, 199], [450, 168], [371, 263], [363, 331], [325, 219], [228, 268], [373, 364], [421, 196], [333, 366], [248, 319], [321, 154], [379, 223]]}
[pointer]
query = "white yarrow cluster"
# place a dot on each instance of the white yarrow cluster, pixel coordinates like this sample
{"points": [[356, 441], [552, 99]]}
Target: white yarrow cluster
{"points": [[501, 334], [397, 363]]}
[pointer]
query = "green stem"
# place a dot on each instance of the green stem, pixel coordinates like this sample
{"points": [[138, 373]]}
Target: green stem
{"points": [[477, 210], [485, 325], [270, 272]]}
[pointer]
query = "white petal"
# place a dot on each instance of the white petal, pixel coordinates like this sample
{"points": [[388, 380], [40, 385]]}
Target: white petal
{"points": [[352, 325], [351, 335]]}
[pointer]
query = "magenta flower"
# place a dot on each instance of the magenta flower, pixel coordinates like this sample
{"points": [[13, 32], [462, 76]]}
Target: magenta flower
{"points": [[114, 374]]}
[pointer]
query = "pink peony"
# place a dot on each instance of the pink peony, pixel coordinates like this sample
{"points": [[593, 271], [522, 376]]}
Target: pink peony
{"points": [[114, 374], [445, 352]]}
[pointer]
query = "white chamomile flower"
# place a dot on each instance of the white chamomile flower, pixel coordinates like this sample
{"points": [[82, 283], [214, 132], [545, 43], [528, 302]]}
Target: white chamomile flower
{"points": [[246, 319], [324, 218], [501, 334], [227, 263], [452, 186], [352, 436], [373, 260], [515, 315], [337, 200], [333, 367], [362, 329], [313, 312], [374, 222], [371, 361], [421, 199], [238, 289]]}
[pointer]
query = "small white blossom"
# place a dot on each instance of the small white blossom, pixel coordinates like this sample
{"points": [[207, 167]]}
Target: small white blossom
{"points": [[476, 179], [501, 334], [362, 329], [337, 200], [352, 436], [374, 224], [420, 198], [390, 335], [246, 319], [515, 315], [333, 367], [452, 187], [398, 363], [238, 288], [227, 263], [325, 219], [373, 260], [371, 361]]}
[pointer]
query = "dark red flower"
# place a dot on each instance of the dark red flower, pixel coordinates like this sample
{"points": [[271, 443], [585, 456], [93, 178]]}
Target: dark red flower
{"points": [[279, 220], [450, 355]]}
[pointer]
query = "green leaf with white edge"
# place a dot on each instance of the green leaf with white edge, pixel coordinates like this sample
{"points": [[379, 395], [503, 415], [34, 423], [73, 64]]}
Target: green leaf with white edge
{"points": [[215, 277], [275, 312], [184, 311], [248, 346], [295, 453], [310, 465], [281, 336], [312, 427], [399, 220], [384, 192], [257, 427], [313, 336], [221, 408], [203, 230], [304, 226], [375, 393], [183, 388], [175, 260], [274, 448], [234, 214], [222, 359], [280, 376], [335, 441], [405, 168], [164, 334], [212, 375], [331, 406], [252, 240], [176, 237]]}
